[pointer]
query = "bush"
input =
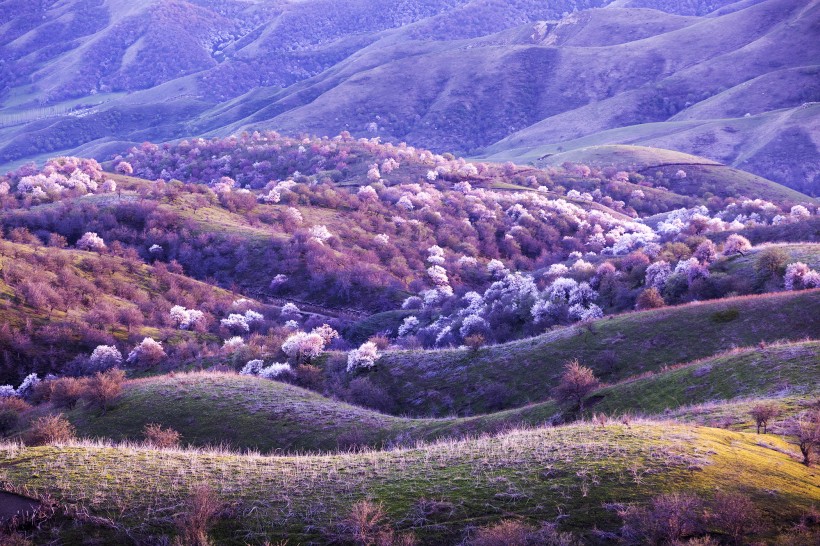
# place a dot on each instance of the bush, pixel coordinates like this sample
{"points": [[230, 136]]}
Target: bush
{"points": [[65, 392], [15, 404], [156, 436], [310, 377], [380, 340], [771, 262], [51, 429], [474, 342], [9, 419], [104, 387], [364, 357], [576, 383], [193, 524], [669, 518], [736, 515], [148, 353], [105, 357], [516, 533], [650, 299], [367, 525]]}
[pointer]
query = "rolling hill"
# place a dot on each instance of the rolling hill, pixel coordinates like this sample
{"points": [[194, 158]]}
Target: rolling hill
{"points": [[702, 175], [397, 72], [248, 413], [570, 471], [460, 380]]}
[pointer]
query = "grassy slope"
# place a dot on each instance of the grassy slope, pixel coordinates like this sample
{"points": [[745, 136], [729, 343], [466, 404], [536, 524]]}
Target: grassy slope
{"points": [[744, 266], [251, 413], [702, 174], [436, 382], [535, 475], [241, 411], [777, 370]]}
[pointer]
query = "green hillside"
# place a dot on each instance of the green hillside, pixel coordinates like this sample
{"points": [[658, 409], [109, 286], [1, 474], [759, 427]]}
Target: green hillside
{"points": [[246, 412], [534, 474], [440, 382]]}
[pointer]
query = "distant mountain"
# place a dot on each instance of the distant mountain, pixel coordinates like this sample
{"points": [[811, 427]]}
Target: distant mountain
{"points": [[731, 81]]}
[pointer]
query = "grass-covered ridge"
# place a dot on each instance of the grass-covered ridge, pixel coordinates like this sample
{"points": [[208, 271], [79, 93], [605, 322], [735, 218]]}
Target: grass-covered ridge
{"points": [[438, 382], [537, 474], [250, 413], [702, 174], [779, 370]]}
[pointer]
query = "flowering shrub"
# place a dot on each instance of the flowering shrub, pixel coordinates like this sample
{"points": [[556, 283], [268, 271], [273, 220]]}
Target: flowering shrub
{"points": [[91, 241], [736, 244], [363, 358], [26, 388], [233, 344], [148, 353], [105, 357], [252, 367], [799, 276], [303, 346], [274, 370], [186, 319]]}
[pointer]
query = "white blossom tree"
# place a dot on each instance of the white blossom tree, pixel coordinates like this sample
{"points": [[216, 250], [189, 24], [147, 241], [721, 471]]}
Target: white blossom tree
{"points": [[364, 357], [91, 241], [104, 357], [149, 352], [303, 346], [736, 244]]}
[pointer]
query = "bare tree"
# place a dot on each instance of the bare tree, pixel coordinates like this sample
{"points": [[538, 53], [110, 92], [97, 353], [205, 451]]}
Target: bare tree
{"points": [[576, 383], [763, 413], [805, 427]]}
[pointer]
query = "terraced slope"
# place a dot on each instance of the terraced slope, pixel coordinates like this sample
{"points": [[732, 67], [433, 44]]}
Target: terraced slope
{"points": [[534, 475]]}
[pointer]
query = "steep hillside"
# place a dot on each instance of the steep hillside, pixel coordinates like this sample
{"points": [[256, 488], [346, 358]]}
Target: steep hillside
{"points": [[57, 303], [434, 491]]}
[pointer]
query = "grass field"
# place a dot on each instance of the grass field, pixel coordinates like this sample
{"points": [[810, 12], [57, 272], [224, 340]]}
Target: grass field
{"points": [[745, 267], [539, 475]]}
